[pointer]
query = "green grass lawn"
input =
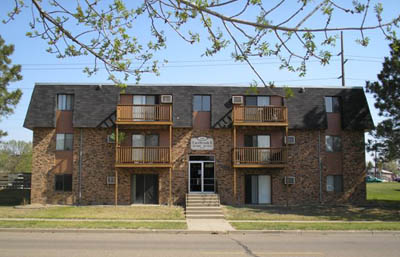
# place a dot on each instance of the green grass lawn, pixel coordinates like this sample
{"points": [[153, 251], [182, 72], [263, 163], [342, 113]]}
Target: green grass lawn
{"points": [[383, 205], [93, 224], [315, 226], [97, 212], [384, 192]]}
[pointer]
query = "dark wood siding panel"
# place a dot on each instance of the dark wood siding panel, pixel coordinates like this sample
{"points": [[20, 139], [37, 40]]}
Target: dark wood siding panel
{"points": [[276, 100], [276, 138], [64, 122], [64, 161], [126, 99], [334, 124], [201, 120], [334, 163]]}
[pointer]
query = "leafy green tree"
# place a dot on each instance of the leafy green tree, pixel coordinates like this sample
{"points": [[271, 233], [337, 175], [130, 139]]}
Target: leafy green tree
{"points": [[8, 74], [387, 96], [15, 156], [391, 166], [114, 32], [370, 165]]}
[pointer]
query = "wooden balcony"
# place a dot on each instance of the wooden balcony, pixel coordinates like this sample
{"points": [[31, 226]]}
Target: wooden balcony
{"points": [[260, 115], [142, 156], [256, 157], [159, 114]]}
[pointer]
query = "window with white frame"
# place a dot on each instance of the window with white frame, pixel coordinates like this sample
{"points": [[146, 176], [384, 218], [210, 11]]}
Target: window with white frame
{"points": [[333, 143], [64, 142], [334, 183], [65, 102], [332, 104]]}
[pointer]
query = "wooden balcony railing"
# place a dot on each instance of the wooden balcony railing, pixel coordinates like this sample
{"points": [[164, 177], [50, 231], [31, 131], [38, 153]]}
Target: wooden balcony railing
{"points": [[142, 155], [144, 113], [259, 114], [258, 155]]}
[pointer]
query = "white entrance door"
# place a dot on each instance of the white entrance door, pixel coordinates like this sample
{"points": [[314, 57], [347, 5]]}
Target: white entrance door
{"points": [[264, 189]]}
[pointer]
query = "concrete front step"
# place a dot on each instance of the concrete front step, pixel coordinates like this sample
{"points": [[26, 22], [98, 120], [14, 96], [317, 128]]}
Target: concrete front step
{"points": [[203, 213], [202, 201], [202, 204], [205, 210], [205, 216], [194, 208]]}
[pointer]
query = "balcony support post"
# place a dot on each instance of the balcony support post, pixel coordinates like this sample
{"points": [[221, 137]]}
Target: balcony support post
{"points": [[170, 186], [116, 170], [286, 144], [170, 162], [233, 160], [234, 185], [234, 144]]}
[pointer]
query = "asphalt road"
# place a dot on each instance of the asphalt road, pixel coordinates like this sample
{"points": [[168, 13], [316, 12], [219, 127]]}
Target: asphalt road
{"points": [[34, 244]]}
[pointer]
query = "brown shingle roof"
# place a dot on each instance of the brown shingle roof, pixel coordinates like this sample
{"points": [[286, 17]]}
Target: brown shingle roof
{"points": [[93, 104]]}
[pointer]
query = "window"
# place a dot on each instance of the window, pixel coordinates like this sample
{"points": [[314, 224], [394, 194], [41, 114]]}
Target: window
{"points": [[144, 99], [334, 183], [201, 103], [333, 143], [332, 104], [257, 100], [65, 102], [257, 141], [64, 182], [64, 142]]}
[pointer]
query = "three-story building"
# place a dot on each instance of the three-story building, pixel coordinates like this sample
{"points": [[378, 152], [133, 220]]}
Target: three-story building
{"points": [[96, 144]]}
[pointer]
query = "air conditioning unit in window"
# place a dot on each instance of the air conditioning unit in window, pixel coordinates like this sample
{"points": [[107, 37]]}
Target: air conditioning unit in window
{"points": [[290, 180], [166, 99], [110, 139], [291, 140], [110, 180], [237, 99]]}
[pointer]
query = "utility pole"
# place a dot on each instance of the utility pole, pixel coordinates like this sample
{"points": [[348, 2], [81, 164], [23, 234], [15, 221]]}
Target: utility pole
{"points": [[342, 61], [375, 158]]}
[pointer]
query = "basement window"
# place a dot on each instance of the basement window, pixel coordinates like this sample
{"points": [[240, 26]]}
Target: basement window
{"points": [[63, 182]]}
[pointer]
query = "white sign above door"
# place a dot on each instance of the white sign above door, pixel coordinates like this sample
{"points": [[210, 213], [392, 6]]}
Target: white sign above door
{"points": [[202, 143]]}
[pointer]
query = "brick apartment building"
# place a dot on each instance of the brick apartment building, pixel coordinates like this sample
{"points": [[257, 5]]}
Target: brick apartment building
{"points": [[93, 144]]}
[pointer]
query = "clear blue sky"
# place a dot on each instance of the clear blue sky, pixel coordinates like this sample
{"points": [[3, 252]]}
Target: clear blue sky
{"points": [[186, 66]]}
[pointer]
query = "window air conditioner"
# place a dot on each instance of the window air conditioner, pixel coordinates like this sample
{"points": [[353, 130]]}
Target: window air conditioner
{"points": [[291, 140], [290, 180], [110, 180], [166, 99], [237, 99]]}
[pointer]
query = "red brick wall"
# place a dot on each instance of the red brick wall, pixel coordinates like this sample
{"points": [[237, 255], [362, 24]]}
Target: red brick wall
{"points": [[98, 163]]}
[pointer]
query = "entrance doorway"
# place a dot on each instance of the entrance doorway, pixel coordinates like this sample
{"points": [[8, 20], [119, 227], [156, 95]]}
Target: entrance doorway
{"points": [[257, 189], [201, 174], [144, 188]]}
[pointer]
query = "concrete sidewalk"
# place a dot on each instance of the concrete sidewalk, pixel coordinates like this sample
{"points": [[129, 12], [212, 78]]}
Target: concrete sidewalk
{"points": [[89, 220], [220, 225]]}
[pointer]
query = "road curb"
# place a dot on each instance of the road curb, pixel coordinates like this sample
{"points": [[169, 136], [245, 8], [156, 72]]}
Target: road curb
{"points": [[171, 231]]}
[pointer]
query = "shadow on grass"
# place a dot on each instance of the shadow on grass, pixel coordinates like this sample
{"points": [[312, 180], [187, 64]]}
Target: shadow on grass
{"points": [[379, 210]]}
